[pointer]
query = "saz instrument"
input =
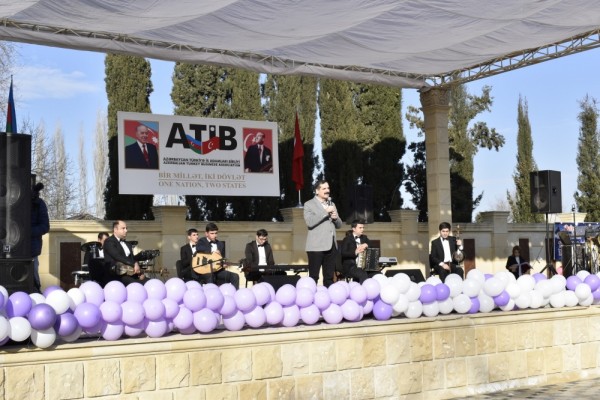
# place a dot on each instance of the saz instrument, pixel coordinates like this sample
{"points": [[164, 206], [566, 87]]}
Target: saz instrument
{"points": [[458, 255], [124, 269], [208, 263]]}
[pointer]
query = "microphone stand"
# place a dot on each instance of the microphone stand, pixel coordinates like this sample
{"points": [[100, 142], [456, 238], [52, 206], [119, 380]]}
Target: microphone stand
{"points": [[549, 266]]}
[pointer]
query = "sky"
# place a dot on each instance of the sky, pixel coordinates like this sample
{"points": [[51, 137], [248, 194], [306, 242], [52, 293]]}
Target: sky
{"points": [[66, 88]]}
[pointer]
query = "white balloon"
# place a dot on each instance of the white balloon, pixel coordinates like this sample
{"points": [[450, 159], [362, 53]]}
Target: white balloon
{"points": [[77, 297], [381, 278], [4, 295], [402, 282], [472, 287], [414, 292], [514, 290], [583, 291], [545, 301], [486, 303], [571, 299], [544, 287], [526, 282], [37, 298], [434, 280], [493, 287], [389, 294], [505, 277], [558, 300], [431, 310], [462, 303], [477, 275], [4, 327], [523, 301], [20, 329], [446, 306], [414, 310], [587, 302], [536, 299], [401, 304], [560, 281], [455, 285], [509, 306], [43, 338], [59, 300], [582, 274]]}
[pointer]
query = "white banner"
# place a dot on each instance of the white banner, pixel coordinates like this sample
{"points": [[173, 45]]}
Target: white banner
{"points": [[167, 154]]}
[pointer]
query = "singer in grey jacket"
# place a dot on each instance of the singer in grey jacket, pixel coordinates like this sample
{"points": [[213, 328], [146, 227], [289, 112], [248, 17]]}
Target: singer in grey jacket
{"points": [[322, 220]]}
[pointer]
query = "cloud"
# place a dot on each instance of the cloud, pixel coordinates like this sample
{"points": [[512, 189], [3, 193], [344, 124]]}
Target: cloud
{"points": [[47, 83]]}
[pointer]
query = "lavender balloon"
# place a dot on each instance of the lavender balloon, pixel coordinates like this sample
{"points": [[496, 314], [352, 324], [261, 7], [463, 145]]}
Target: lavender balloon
{"points": [[274, 313], [245, 299], [156, 329], [235, 321], [382, 311], [214, 299], [88, 315], [291, 315], [18, 305], [474, 305], [593, 281], [205, 320], [229, 308], [115, 291], [428, 294], [111, 312], [41, 317], [66, 324], [194, 299], [304, 297], [322, 300], [310, 315], [442, 292], [112, 331], [256, 317], [333, 314], [502, 299], [572, 282], [286, 295]]}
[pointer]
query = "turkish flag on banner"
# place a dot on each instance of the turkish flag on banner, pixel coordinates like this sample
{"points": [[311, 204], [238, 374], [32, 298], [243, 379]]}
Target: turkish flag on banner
{"points": [[298, 158], [210, 145]]}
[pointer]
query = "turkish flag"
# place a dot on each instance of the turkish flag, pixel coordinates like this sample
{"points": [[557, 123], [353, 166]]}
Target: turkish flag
{"points": [[210, 145], [298, 158]]}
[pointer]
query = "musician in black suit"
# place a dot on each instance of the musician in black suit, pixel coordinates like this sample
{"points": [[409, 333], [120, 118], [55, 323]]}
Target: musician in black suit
{"points": [[258, 253], [187, 253], [94, 259], [354, 244], [258, 157], [517, 264], [141, 154], [117, 250], [210, 244], [442, 250]]}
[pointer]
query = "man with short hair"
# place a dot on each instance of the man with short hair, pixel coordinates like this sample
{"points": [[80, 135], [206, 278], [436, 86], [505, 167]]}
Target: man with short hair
{"points": [[118, 253], [354, 244], [209, 244], [94, 259], [259, 253], [187, 253], [141, 154], [258, 157], [442, 251]]}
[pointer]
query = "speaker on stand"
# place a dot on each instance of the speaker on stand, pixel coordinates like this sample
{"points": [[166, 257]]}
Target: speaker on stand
{"points": [[546, 198], [16, 266]]}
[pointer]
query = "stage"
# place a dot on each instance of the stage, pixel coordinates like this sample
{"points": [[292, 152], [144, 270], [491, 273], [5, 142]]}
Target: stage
{"points": [[425, 358]]}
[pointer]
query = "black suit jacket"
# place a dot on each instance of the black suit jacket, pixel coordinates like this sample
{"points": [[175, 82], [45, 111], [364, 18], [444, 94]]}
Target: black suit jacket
{"points": [[185, 255], [437, 251], [134, 158], [203, 246], [512, 261], [113, 252], [348, 249], [251, 254], [254, 162]]}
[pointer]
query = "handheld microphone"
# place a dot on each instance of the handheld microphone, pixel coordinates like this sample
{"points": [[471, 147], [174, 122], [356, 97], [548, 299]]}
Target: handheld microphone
{"points": [[329, 201]]}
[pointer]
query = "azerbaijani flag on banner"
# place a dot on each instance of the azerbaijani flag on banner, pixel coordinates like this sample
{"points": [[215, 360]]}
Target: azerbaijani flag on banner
{"points": [[11, 116], [298, 158]]}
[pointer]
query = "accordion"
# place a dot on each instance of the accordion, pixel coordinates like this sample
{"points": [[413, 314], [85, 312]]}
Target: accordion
{"points": [[368, 260]]}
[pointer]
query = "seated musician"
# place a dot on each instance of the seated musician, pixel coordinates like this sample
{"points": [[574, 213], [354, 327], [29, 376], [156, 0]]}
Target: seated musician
{"points": [[517, 264], [258, 253], [187, 253], [119, 255], [94, 259], [354, 244], [442, 256], [209, 244]]}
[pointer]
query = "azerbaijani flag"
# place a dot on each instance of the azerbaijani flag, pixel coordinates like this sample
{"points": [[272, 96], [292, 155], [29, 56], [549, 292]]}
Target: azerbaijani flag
{"points": [[11, 116], [298, 157]]}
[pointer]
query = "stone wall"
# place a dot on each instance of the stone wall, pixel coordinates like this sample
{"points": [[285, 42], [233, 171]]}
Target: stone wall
{"points": [[443, 357]]}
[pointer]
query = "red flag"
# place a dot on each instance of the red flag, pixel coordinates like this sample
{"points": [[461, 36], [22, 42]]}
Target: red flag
{"points": [[297, 160], [210, 145]]}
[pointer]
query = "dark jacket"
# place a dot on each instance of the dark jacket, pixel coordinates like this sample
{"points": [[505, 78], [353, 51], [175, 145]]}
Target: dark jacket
{"points": [[113, 252], [40, 225], [348, 249], [251, 254], [134, 158]]}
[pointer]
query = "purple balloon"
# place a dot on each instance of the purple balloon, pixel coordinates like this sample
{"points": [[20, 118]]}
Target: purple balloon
{"points": [[245, 299], [235, 321], [214, 299], [310, 315], [488, 276], [183, 320], [572, 282], [175, 289], [274, 313], [154, 309], [304, 297], [205, 320], [286, 295], [194, 299], [291, 316], [307, 283], [592, 281], [596, 294], [261, 292], [351, 311], [135, 329], [442, 292], [193, 285], [41, 316], [136, 292], [333, 314], [66, 324], [227, 289], [372, 287], [18, 305], [171, 308], [111, 312], [358, 293], [322, 300], [368, 307], [382, 311], [229, 308], [133, 312], [256, 318], [88, 315], [112, 331], [502, 299], [156, 289], [474, 305], [156, 329], [539, 277], [50, 289], [115, 291], [93, 292], [338, 293], [96, 329], [428, 294]]}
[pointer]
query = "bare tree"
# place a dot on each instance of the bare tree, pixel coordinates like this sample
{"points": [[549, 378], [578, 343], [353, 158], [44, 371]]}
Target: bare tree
{"points": [[83, 187], [7, 53], [100, 162]]}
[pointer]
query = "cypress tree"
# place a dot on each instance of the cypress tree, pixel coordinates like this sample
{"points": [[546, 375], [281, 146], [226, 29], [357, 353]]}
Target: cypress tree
{"points": [[587, 196], [128, 88]]}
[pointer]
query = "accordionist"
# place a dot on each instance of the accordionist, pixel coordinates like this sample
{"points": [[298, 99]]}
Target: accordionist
{"points": [[353, 246]]}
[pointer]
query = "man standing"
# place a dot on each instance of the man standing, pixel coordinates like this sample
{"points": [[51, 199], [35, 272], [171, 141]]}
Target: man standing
{"points": [[119, 254], [322, 220], [353, 245], [40, 225], [210, 244], [258, 157], [141, 154], [442, 250]]}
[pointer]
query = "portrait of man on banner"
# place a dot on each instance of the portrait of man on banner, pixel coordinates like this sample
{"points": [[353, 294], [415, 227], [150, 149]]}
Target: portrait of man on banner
{"points": [[141, 144], [258, 156]]}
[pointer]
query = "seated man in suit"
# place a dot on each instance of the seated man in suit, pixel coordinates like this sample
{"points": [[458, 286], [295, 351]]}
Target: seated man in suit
{"points": [[209, 244], [258, 253], [119, 255], [442, 251], [187, 253], [94, 259], [517, 264], [354, 244]]}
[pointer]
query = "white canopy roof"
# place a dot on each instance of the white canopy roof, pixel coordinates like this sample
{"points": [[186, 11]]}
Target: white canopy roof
{"points": [[406, 43]]}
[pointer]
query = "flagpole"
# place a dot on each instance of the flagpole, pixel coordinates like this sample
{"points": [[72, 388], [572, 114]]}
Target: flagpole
{"points": [[299, 201]]}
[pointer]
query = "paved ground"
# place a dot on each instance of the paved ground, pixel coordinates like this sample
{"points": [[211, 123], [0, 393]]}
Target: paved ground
{"points": [[580, 390]]}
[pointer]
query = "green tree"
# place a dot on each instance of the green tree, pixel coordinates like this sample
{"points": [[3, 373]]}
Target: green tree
{"points": [[520, 204], [587, 195], [128, 88]]}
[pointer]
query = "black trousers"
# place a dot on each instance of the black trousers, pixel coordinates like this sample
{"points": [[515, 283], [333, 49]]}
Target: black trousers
{"points": [[454, 269], [316, 259]]}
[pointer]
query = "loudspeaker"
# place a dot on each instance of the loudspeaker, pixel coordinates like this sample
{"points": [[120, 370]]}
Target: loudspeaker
{"points": [[15, 195], [415, 275], [360, 203], [16, 275], [546, 196]]}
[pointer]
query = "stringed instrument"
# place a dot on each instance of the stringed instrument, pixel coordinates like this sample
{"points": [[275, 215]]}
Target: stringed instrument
{"points": [[208, 263], [124, 269]]}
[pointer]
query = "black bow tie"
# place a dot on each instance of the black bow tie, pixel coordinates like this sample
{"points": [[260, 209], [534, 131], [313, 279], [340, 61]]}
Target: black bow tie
{"points": [[122, 240], [261, 245]]}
